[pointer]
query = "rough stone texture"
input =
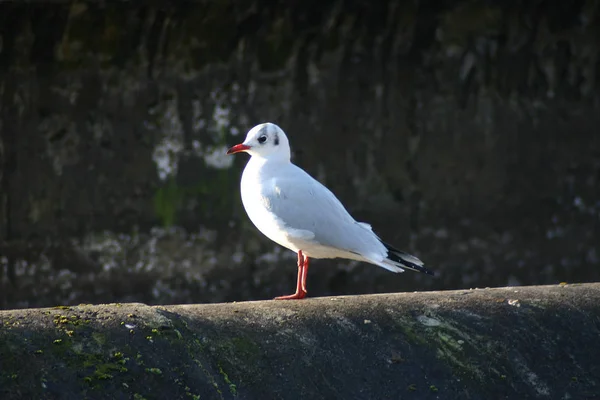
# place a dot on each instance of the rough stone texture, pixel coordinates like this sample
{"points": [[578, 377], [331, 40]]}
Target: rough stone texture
{"points": [[530, 342], [465, 132]]}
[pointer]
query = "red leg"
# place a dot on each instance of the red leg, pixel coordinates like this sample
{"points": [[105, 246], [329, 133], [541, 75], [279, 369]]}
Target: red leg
{"points": [[301, 281], [304, 274]]}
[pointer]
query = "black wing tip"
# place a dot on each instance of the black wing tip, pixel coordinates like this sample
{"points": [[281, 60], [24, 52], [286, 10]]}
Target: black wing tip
{"points": [[397, 256], [414, 267]]}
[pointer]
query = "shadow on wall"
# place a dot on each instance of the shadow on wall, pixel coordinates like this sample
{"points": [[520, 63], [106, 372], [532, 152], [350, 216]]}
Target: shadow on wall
{"points": [[466, 134]]}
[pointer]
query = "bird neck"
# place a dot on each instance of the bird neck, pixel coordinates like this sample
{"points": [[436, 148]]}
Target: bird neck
{"points": [[272, 159]]}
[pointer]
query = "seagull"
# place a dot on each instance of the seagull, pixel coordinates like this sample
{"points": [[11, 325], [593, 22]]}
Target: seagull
{"points": [[296, 211]]}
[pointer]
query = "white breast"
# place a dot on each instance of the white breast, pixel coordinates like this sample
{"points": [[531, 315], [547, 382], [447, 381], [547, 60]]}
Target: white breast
{"points": [[255, 182]]}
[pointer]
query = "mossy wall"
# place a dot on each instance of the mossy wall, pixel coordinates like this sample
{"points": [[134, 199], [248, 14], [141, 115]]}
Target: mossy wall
{"points": [[465, 132], [526, 343]]}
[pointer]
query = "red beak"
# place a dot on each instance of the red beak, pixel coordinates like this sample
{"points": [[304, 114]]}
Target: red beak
{"points": [[238, 148]]}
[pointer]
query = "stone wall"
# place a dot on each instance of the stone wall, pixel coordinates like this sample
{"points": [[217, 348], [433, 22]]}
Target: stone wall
{"points": [[530, 343], [466, 133]]}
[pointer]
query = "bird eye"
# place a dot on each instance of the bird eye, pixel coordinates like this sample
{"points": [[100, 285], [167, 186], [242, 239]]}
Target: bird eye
{"points": [[262, 139]]}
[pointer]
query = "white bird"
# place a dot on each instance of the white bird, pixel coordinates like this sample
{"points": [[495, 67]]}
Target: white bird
{"points": [[296, 211]]}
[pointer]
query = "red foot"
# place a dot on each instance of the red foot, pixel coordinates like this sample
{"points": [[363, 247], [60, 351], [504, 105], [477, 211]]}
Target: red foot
{"points": [[301, 282], [295, 296]]}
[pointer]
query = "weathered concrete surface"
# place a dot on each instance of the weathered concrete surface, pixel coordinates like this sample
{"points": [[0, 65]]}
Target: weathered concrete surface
{"points": [[526, 342]]}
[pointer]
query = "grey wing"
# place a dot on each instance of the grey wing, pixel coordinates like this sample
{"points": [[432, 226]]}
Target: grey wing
{"points": [[305, 205]]}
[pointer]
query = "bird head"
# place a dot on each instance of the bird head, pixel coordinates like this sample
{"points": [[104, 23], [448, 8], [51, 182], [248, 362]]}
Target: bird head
{"points": [[264, 141]]}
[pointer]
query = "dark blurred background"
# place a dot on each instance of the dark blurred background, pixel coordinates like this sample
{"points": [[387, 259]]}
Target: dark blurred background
{"points": [[465, 132]]}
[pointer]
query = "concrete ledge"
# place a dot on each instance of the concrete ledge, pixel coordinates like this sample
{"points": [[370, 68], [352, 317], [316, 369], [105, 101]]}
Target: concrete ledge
{"points": [[522, 342]]}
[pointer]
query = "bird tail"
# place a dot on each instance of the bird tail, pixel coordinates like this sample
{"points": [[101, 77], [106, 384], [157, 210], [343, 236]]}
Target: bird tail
{"points": [[397, 259]]}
